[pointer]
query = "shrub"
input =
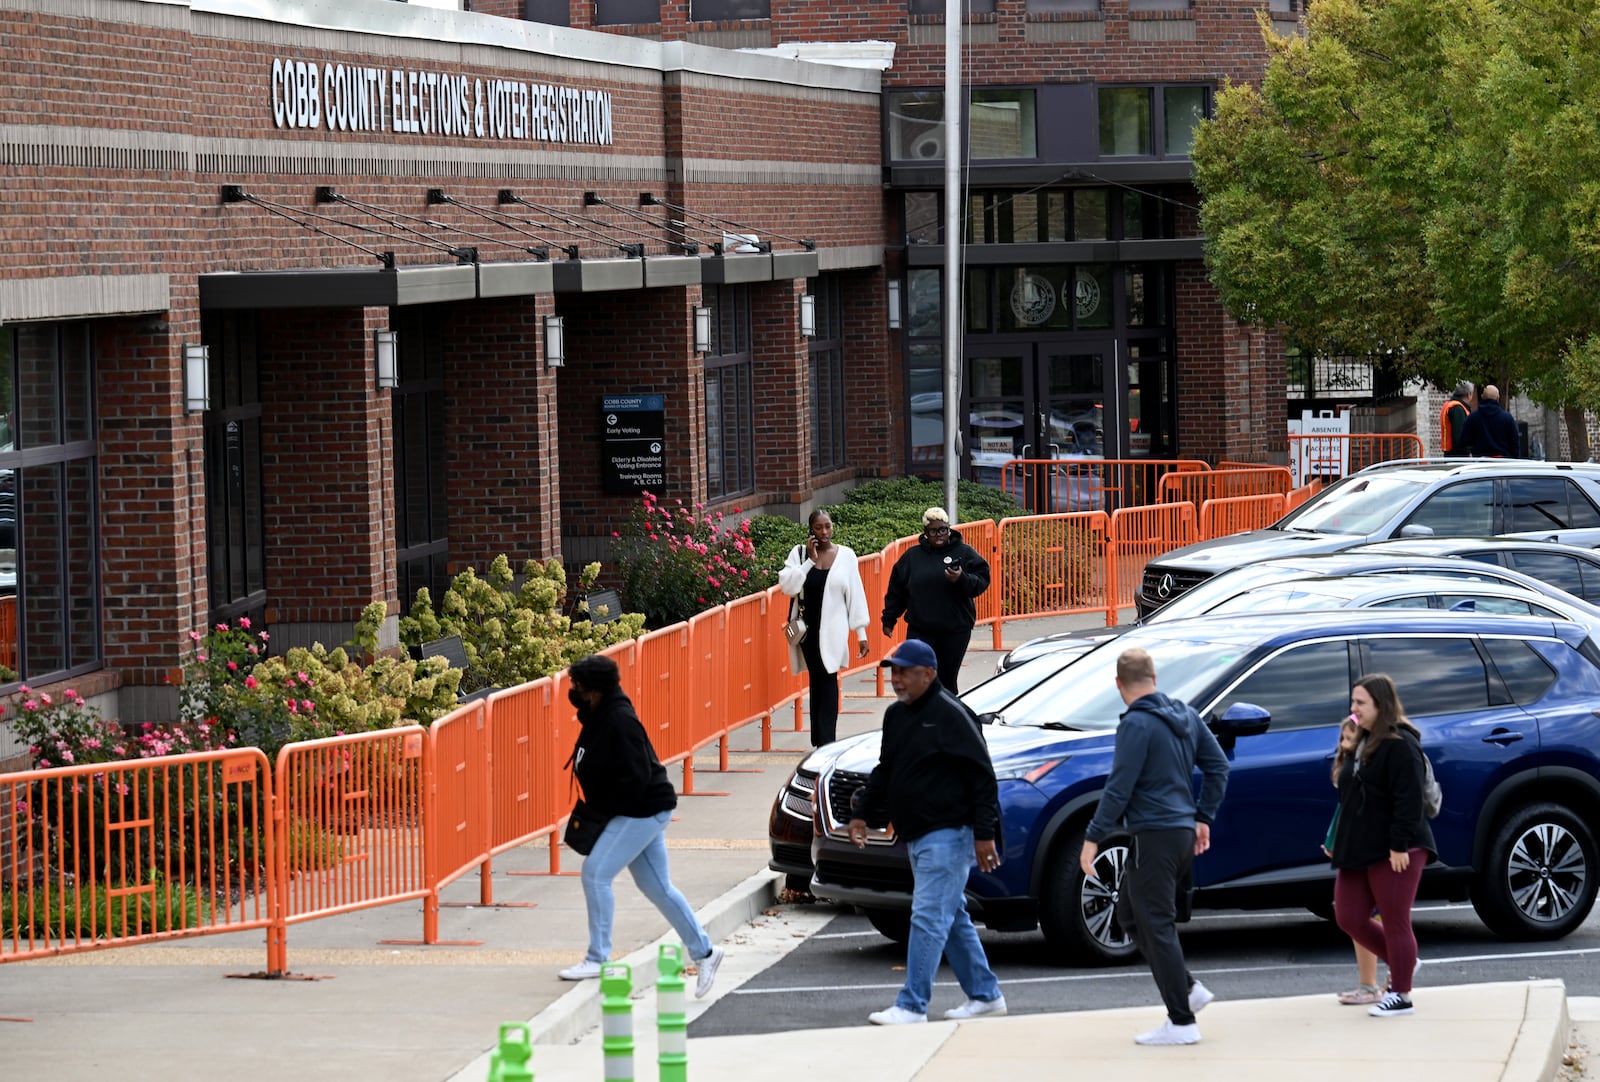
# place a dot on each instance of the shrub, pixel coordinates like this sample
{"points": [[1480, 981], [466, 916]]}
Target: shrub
{"points": [[677, 561], [511, 636], [93, 912]]}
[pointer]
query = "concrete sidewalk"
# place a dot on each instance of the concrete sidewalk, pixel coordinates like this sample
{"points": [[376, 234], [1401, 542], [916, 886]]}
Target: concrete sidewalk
{"points": [[407, 1013]]}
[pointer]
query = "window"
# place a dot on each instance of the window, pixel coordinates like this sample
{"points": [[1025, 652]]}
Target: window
{"points": [[1000, 124], [1527, 676], [1301, 688], [1576, 578], [49, 517], [1054, 7], [235, 527], [1435, 675], [1547, 503], [551, 12], [827, 376], [1089, 213], [922, 218], [924, 303], [1463, 510], [627, 12], [730, 396], [422, 521], [916, 125], [936, 7], [1183, 108], [718, 10], [925, 382], [1146, 286], [1125, 121]]}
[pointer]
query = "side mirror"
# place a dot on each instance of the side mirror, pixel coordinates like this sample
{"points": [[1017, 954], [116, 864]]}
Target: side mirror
{"points": [[1416, 529], [1241, 719]]}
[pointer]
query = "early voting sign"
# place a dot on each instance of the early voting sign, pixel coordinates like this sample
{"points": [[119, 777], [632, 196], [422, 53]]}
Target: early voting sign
{"points": [[634, 456]]}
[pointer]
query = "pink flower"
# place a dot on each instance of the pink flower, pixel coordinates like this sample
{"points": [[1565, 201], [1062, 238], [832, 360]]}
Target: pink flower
{"points": [[653, 537], [614, 533], [307, 705], [91, 743], [45, 698], [233, 666], [294, 707], [122, 789], [201, 658], [29, 704], [250, 682], [304, 679], [222, 627], [244, 622], [44, 763], [66, 754], [25, 689], [120, 751], [263, 636], [194, 636]]}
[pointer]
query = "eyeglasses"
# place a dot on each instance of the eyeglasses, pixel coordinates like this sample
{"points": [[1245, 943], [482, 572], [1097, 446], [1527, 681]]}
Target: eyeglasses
{"points": [[941, 528]]}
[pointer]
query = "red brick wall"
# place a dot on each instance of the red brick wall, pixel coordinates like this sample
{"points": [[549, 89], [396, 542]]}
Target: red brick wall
{"points": [[781, 364]]}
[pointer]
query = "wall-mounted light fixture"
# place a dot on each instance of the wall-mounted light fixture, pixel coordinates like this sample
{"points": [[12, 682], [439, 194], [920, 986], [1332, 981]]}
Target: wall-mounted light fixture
{"points": [[808, 315], [894, 304], [196, 378], [385, 352], [555, 342], [702, 329]]}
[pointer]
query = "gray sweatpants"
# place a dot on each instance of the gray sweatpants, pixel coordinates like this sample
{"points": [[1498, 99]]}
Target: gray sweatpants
{"points": [[1147, 908]]}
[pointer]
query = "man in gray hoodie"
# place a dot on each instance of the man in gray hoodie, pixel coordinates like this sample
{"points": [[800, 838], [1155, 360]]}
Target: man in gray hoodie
{"points": [[1150, 791]]}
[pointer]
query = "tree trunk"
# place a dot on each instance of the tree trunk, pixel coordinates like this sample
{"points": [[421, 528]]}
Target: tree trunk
{"points": [[1577, 433]]}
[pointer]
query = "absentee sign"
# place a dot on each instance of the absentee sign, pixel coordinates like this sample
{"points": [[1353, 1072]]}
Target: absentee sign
{"points": [[634, 456]]}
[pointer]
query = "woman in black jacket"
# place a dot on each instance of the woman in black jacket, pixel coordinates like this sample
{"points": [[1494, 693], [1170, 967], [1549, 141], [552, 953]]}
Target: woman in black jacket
{"points": [[1382, 840], [625, 783], [933, 585]]}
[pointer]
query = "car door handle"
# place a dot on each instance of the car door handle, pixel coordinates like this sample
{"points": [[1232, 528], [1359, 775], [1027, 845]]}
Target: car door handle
{"points": [[1503, 737]]}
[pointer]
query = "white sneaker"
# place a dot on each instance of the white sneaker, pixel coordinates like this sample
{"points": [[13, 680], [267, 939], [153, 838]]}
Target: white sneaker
{"points": [[708, 972], [1170, 1034], [895, 1016], [1199, 996], [584, 970], [977, 1008]]}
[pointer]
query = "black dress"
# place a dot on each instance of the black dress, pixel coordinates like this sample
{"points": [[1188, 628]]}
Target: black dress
{"points": [[824, 684]]}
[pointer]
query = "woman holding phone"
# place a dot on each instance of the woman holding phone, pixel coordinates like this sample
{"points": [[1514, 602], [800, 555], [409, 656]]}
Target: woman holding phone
{"points": [[832, 602]]}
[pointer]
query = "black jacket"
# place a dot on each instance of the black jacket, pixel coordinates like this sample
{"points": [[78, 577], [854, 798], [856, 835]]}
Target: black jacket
{"points": [[1151, 784], [1380, 805], [930, 602], [1492, 432], [933, 771], [616, 765]]}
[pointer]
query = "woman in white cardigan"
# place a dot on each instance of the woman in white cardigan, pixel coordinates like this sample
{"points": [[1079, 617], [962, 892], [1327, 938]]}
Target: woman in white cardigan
{"points": [[826, 581]]}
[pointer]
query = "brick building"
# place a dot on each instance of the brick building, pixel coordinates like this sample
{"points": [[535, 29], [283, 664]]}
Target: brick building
{"points": [[285, 284]]}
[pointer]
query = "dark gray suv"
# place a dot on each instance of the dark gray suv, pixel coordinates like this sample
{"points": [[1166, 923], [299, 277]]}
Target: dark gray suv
{"points": [[1550, 501]]}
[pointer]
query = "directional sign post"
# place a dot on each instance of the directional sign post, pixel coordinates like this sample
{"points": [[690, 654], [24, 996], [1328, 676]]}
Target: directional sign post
{"points": [[634, 457]]}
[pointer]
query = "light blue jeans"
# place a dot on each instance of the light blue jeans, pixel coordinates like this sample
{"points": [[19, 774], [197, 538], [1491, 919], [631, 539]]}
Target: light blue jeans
{"points": [[640, 846], [939, 922]]}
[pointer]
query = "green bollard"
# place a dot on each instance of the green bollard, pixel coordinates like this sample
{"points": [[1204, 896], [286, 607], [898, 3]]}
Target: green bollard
{"points": [[672, 1024], [616, 1020], [514, 1056]]}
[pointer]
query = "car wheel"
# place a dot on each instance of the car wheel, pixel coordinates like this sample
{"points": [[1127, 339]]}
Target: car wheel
{"points": [[1078, 914], [1539, 879], [892, 924]]}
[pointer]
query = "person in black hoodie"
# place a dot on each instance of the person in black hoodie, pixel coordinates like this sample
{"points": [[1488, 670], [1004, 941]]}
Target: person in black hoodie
{"points": [[623, 781], [932, 585], [1382, 839], [935, 782]]}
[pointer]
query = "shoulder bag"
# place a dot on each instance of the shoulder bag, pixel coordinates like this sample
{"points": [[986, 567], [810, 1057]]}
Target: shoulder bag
{"points": [[794, 628], [584, 824]]}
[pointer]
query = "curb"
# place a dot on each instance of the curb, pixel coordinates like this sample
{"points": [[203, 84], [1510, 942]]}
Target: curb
{"points": [[577, 1012], [1542, 1038]]}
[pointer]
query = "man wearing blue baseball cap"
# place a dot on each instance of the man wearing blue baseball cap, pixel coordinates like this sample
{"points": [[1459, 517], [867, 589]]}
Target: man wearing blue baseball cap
{"points": [[935, 782]]}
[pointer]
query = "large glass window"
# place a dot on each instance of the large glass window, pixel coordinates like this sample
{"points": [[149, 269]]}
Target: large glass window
{"points": [[1000, 124], [422, 521], [730, 396], [235, 530], [1183, 108], [49, 516], [626, 12], [926, 378], [827, 376], [922, 218], [1125, 120], [936, 7], [719, 10], [1134, 118], [916, 125]]}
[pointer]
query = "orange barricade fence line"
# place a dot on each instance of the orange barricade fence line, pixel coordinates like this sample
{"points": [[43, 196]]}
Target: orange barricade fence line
{"points": [[891, 555], [458, 809], [665, 692], [1298, 496], [136, 851], [1219, 518], [1139, 534], [351, 808], [1197, 488], [707, 705], [744, 673], [784, 686], [1050, 565], [1330, 457], [874, 578], [1058, 485]]}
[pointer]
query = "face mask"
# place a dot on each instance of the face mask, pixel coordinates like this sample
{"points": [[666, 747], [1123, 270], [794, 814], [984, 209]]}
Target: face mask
{"points": [[576, 698]]}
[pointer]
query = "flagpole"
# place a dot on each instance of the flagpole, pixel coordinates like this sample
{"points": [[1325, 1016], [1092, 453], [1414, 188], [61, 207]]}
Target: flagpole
{"points": [[952, 253]]}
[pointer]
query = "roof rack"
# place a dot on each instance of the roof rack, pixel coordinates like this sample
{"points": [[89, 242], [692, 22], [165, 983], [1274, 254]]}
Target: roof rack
{"points": [[1403, 463]]}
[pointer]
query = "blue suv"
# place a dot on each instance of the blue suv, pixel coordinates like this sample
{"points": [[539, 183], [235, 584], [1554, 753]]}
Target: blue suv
{"points": [[1507, 706]]}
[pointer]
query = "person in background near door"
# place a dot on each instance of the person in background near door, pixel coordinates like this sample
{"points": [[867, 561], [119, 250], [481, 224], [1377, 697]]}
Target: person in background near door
{"points": [[1150, 790], [1491, 432], [827, 580], [1453, 419], [623, 780], [935, 782], [932, 585]]}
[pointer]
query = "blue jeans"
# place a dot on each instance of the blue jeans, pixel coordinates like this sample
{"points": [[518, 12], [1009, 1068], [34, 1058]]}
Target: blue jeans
{"points": [[640, 846], [939, 922]]}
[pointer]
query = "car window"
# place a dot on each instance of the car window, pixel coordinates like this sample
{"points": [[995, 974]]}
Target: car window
{"points": [[1560, 570], [1357, 505], [1302, 688], [1414, 602], [1458, 510], [1435, 674], [1527, 675], [1474, 603], [1286, 598], [1547, 503]]}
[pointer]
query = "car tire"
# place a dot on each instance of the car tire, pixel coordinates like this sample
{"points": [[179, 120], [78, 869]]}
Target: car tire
{"points": [[892, 924], [1539, 879], [1078, 914]]}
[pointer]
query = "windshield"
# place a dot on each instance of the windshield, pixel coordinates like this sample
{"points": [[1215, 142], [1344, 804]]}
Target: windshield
{"points": [[1289, 597], [1359, 505], [997, 692], [1084, 695]]}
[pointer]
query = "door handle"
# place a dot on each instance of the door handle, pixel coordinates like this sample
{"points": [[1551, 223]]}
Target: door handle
{"points": [[1503, 737]]}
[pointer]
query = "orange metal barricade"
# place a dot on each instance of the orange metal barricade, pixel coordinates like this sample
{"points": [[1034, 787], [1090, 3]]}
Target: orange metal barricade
{"points": [[458, 807], [349, 818], [532, 728], [746, 685], [785, 687], [1138, 535], [891, 556], [1197, 488], [1328, 458], [665, 690], [984, 536], [1219, 518], [112, 854], [1298, 496], [8, 631], [1053, 486], [1052, 564]]}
